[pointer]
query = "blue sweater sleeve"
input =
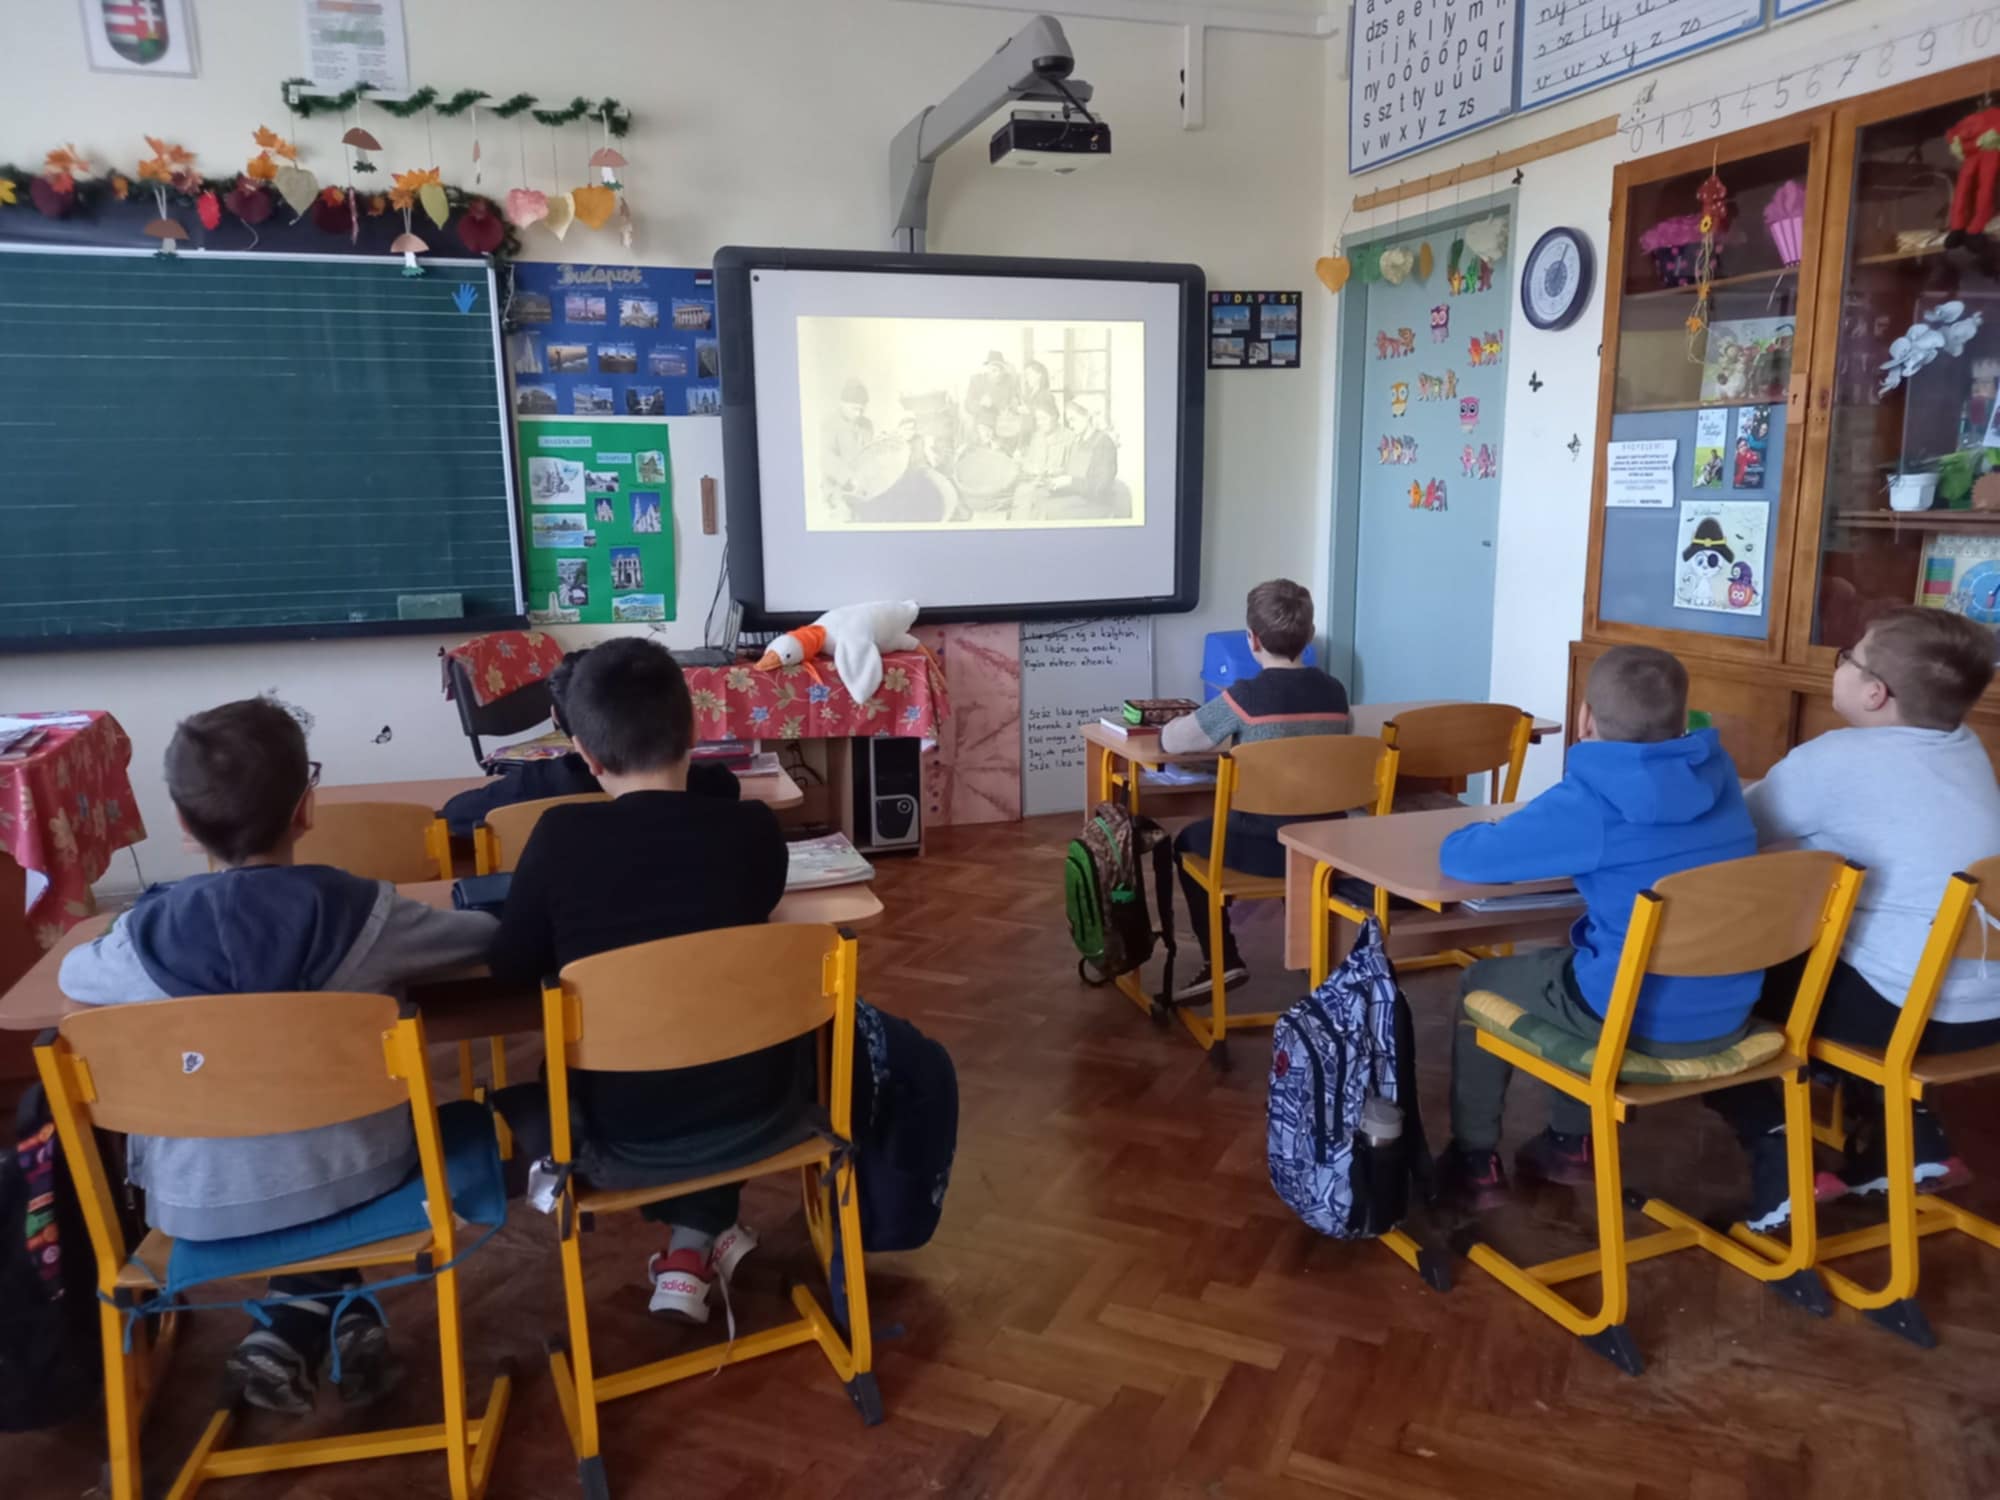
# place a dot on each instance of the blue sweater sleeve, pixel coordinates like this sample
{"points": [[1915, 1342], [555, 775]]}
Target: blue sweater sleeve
{"points": [[1557, 834]]}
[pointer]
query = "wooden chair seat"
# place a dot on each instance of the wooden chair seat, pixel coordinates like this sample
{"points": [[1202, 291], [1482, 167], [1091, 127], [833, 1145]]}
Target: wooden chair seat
{"points": [[1955, 1067], [1235, 882], [146, 1270], [609, 1200]]}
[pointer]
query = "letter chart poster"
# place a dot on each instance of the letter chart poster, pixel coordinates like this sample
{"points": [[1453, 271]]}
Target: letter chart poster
{"points": [[1423, 71]]}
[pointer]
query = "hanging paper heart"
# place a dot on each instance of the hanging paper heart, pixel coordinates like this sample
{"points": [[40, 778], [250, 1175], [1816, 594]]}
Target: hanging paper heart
{"points": [[479, 228], [248, 201], [297, 187], [1332, 271], [333, 212], [436, 204], [1425, 260], [525, 206], [560, 215], [1397, 265], [594, 205]]}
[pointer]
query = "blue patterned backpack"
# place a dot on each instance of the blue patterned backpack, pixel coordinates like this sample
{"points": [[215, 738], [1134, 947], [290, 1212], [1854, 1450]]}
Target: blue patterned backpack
{"points": [[1347, 1040]]}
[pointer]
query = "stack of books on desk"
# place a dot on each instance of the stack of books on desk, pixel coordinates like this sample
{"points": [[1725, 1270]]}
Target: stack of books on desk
{"points": [[817, 863], [1524, 901]]}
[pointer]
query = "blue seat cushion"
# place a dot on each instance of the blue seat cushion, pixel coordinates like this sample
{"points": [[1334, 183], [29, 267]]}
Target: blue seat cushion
{"points": [[478, 1194]]}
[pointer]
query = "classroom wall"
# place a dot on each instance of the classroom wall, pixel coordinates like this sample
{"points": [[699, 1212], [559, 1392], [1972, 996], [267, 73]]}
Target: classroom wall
{"points": [[1545, 492], [760, 122]]}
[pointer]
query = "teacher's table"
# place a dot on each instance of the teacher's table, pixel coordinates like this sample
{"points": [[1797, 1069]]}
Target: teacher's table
{"points": [[460, 1005], [65, 808], [778, 791], [1399, 853]]}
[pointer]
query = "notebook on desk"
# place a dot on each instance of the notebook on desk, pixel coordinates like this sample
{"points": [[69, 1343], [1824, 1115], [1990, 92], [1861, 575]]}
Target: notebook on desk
{"points": [[829, 861]]}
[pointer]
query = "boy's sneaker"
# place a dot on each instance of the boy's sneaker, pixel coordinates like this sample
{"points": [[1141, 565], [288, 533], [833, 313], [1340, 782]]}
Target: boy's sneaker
{"points": [[680, 1286], [1770, 1185], [730, 1247], [1938, 1169], [1555, 1157], [369, 1369], [1199, 988], [269, 1373], [1472, 1179]]}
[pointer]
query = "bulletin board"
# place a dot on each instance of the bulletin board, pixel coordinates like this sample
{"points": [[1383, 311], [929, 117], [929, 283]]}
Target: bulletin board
{"points": [[1642, 558], [597, 502], [612, 341]]}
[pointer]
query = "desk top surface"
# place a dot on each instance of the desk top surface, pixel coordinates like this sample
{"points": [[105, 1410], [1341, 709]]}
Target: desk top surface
{"points": [[37, 1000], [1367, 719], [1400, 852], [778, 791]]}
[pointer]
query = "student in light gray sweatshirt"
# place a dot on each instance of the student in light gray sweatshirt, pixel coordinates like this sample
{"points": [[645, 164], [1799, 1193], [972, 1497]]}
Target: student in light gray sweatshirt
{"points": [[241, 782], [1908, 791]]}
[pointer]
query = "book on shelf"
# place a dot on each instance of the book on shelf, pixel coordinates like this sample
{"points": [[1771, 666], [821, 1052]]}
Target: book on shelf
{"points": [[1524, 901], [828, 861]]}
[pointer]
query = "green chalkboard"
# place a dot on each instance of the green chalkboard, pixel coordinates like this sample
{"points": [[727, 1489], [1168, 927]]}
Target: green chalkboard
{"points": [[217, 446]]}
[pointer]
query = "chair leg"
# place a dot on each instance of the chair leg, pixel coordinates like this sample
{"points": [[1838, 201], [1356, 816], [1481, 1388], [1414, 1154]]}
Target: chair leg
{"points": [[1834, 1132], [1893, 1304], [451, 1350], [1218, 1013], [121, 1406], [497, 1062], [468, 1086], [861, 1387], [576, 1388]]}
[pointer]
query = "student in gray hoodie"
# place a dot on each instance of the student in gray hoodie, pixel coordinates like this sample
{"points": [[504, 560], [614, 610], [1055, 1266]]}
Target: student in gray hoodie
{"points": [[240, 780]]}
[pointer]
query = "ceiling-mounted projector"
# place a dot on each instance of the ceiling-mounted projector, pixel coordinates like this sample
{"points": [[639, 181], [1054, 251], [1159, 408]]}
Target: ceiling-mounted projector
{"points": [[1058, 141]]}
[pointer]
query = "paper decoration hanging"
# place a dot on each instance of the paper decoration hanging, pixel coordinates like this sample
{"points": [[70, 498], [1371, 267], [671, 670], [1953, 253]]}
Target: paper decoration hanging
{"points": [[1425, 261], [1367, 264], [594, 205], [1333, 271], [363, 142], [409, 247], [297, 187], [561, 213], [526, 206], [1397, 265], [479, 228], [433, 198]]}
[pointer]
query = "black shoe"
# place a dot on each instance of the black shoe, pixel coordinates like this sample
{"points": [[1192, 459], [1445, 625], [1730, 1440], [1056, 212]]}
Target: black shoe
{"points": [[269, 1373], [1867, 1167], [1199, 988], [1770, 1184], [1555, 1157], [1471, 1179], [369, 1369]]}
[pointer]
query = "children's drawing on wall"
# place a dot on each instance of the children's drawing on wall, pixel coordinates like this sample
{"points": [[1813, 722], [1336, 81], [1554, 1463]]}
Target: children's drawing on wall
{"points": [[1468, 412], [1396, 450], [1438, 387], [1720, 563], [1711, 436], [1399, 398], [1479, 463], [1428, 496], [1753, 438], [1441, 323], [1485, 349], [1395, 345]]}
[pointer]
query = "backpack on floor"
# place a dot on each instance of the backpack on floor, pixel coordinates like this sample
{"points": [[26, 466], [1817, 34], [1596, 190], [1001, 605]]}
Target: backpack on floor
{"points": [[1104, 891], [49, 1355], [905, 1126], [1349, 1039]]}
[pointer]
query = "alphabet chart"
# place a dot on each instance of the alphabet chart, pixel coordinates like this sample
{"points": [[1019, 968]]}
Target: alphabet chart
{"points": [[1571, 46], [1423, 71]]}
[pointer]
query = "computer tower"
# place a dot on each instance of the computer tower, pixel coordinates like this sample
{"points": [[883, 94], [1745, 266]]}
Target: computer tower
{"points": [[888, 793]]}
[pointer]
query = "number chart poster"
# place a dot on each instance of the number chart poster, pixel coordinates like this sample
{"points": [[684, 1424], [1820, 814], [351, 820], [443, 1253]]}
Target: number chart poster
{"points": [[598, 509], [612, 341], [1419, 74]]}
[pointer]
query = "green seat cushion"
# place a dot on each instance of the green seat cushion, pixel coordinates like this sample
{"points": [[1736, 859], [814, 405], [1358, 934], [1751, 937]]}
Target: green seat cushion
{"points": [[1543, 1039]]}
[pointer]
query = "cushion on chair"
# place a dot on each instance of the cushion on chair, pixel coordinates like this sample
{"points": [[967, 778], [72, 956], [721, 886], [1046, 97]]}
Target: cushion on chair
{"points": [[478, 1194], [1544, 1039]]}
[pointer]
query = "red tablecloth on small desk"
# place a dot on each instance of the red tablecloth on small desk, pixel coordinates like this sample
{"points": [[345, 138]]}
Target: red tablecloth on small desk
{"points": [[739, 703], [65, 810]]}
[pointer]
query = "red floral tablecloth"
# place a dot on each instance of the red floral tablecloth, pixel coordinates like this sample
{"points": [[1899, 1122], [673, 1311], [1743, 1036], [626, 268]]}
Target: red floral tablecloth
{"points": [[739, 703], [65, 810], [502, 662]]}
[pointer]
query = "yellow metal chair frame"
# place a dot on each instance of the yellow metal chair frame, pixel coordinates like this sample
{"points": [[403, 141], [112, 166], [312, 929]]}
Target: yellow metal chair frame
{"points": [[265, 1064], [1721, 919], [1327, 773], [677, 1003], [1957, 931]]}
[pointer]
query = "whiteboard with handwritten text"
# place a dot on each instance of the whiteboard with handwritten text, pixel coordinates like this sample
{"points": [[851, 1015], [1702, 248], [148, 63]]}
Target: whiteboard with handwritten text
{"points": [[1422, 71], [1569, 47]]}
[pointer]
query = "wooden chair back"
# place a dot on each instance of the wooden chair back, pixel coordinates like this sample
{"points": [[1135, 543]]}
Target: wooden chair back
{"points": [[400, 842], [507, 829], [1311, 776], [1452, 740]]}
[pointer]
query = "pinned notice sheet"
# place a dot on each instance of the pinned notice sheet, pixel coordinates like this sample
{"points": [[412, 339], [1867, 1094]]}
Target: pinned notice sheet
{"points": [[1640, 473]]}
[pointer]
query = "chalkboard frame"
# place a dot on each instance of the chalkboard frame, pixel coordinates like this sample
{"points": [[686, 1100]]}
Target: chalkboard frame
{"points": [[335, 629]]}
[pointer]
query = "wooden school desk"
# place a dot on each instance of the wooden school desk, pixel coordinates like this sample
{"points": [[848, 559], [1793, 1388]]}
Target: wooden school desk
{"points": [[1400, 853], [1110, 759], [461, 1005], [779, 791]]}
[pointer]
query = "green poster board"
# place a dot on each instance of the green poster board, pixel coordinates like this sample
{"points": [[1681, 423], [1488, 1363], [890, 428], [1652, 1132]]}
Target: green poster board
{"points": [[597, 509]]}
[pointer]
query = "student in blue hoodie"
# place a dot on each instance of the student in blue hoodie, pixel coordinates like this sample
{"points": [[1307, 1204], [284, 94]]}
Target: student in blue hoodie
{"points": [[1639, 800], [240, 780]]}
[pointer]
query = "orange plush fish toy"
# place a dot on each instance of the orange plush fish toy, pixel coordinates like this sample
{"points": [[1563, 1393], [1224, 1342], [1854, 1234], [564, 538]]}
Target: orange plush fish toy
{"points": [[855, 635]]}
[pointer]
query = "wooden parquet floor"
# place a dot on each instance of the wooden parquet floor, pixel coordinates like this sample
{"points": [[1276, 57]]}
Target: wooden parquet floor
{"points": [[1116, 1304]]}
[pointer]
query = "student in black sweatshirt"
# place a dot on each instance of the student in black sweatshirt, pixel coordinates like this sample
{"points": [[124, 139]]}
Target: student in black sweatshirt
{"points": [[657, 861]]}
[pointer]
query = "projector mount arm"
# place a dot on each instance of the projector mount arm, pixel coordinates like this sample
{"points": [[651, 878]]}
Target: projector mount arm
{"points": [[1035, 66]]}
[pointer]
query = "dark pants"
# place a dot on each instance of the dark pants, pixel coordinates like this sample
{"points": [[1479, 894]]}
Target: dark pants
{"points": [[1854, 1012], [525, 1106], [1542, 981], [1252, 848], [308, 1326]]}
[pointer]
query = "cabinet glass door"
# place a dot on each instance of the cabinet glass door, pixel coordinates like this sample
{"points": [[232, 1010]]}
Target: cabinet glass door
{"points": [[1910, 503]]}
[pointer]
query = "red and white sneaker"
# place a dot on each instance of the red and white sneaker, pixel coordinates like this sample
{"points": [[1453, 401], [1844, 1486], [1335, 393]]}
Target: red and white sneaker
{"points": [[680, 1286], [730, 1247]]}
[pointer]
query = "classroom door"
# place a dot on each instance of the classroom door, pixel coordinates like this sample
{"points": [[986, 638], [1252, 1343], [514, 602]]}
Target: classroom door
{"points": [[1432, 368]]}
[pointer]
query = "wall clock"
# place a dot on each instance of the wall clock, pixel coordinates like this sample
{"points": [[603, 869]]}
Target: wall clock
{"points": [[1555, 280]]}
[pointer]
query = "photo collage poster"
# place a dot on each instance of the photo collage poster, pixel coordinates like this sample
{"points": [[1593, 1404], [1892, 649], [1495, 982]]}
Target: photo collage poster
{"points": [[612, 341], [1253, 330], [597, 502]]}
